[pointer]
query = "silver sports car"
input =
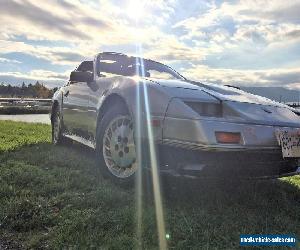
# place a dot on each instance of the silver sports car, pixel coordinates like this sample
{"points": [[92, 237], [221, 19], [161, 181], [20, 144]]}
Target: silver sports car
{"points": [[134, 111]]}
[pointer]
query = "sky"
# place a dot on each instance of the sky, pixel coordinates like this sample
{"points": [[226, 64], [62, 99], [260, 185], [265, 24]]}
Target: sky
{"points": [[244, 43]]}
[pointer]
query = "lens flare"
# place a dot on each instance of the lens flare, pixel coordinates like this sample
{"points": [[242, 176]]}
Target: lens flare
{"points": [[139, 171], [143, 92]]}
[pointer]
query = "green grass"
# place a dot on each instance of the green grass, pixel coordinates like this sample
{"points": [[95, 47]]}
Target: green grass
{"points": [[54, 197], [15, 135]]}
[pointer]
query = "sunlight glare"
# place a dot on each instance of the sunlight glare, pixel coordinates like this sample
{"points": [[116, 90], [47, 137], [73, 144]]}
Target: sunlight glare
{"points": [[153, 163], [135, 9]]}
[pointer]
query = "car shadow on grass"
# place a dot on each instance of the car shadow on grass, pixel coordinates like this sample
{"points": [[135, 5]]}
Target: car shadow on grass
{"points": [[56, 197]]}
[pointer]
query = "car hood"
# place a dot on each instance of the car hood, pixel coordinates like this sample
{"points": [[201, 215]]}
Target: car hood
{"points": [[220, 92]]}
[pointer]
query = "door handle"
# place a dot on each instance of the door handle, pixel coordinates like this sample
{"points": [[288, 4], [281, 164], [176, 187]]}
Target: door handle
{"points": [[67, 93]]}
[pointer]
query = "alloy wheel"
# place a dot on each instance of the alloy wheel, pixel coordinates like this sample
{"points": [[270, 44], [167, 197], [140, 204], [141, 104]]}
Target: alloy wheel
{"points": [[119, 147]]}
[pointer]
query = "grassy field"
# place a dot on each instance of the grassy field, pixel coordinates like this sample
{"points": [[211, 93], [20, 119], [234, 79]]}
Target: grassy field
{"points": [[54, 197]]}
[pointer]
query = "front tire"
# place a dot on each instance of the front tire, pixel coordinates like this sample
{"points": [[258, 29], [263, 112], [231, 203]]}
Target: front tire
{"points": [[56, 127], [115, 146]]}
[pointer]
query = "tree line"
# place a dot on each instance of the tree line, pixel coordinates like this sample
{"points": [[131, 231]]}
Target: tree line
{"points": [[37, 90]]}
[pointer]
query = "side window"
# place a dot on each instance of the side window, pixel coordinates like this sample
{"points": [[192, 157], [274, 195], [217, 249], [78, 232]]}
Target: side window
{"points": [[109, 67], [86, 66], [114, 65]]}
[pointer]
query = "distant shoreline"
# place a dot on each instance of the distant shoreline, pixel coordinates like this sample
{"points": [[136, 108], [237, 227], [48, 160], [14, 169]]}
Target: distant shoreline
{"points": [[24, 110], [13, 106]]}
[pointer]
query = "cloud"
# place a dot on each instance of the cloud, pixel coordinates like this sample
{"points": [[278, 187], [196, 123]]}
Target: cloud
{"points": [[78, 23], [289, 77], [274, 11], [51, 79], [9, 61], [49, 20], [55, 55], [268, 33], [84, 30], [168, 49], [27, 11], [223, 39], [209, 18], [263, 22]]}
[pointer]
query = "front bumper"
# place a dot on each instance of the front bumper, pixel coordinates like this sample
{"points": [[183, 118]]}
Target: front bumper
{"points": [[228, 164], [200, 134], [188, 147]]}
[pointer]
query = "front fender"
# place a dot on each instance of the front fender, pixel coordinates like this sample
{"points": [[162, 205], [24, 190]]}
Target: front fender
{"points": [[144, 100]]}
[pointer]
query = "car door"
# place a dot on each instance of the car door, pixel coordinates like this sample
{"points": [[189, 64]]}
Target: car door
{"points": [[75, 105], [97, 93], [107, 71]]}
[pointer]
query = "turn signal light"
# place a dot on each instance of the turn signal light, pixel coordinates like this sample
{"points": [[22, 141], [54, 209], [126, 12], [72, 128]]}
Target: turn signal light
{"points": [[228, 137]]}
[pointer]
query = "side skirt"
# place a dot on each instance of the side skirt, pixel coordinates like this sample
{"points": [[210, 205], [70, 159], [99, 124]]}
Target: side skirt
{"points": [[81, 140]]}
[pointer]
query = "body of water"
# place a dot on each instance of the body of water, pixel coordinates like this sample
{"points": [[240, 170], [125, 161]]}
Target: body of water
{"points": [[35, 118]]}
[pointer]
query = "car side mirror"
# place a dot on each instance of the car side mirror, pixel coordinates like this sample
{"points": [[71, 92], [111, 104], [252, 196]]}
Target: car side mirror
{"points": [[81, 76]]}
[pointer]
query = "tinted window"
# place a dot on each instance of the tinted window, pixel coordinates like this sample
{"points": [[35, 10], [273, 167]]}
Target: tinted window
{"points": [[121, 65]]}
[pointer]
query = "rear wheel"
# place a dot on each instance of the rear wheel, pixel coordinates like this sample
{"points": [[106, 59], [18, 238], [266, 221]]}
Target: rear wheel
{"points": [[116, 152]]}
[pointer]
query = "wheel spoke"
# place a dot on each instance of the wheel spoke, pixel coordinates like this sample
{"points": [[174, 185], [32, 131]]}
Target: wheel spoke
{"points": [[119, 148]]}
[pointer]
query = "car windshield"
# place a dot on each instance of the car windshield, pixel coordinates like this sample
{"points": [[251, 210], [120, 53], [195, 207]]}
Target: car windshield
{"points": [[112, 65]]}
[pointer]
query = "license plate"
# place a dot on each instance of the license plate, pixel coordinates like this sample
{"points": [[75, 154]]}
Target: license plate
{"points": [[289, 140]]}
